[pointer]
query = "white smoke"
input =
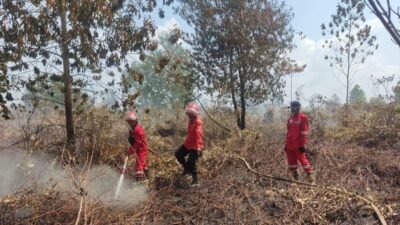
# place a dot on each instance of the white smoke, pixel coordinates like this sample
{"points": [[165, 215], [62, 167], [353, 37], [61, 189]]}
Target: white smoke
{"points": [[102, 184], [19, 170]]}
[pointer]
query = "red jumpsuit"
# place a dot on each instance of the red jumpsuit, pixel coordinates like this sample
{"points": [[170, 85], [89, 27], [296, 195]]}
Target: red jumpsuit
{"points": [[192, 146], [297, 128], [194, 138], [139, 149]]}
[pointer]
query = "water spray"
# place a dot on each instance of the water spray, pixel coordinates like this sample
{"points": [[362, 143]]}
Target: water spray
{"points": [[121, 178]]}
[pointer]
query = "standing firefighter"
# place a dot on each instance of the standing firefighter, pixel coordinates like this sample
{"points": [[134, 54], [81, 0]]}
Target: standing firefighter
{"points": [[296, 140], [193, 144], [138, 146]]}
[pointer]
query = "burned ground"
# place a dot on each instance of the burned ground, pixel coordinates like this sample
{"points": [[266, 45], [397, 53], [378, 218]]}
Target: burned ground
{"points": [[229, 193]]}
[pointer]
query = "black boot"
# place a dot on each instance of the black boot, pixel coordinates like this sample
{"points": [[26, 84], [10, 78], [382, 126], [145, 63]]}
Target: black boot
{"points": [[295, 175], [311, 177], [140, 179], [147, 173], [195, 182]]}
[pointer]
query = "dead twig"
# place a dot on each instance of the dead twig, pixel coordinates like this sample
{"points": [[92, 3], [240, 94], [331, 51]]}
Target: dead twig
{"points": [[381, 219]]}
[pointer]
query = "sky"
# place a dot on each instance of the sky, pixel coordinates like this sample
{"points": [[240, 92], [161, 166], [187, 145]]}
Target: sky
{"points": [[319, 77]]}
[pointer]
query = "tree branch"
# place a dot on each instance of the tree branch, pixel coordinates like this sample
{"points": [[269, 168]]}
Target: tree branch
{"points": [[212, 119], [383, 16]]}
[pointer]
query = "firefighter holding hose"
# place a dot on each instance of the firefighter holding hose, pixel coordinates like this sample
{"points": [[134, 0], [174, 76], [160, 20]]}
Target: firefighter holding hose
{"points": [[138, 146]]}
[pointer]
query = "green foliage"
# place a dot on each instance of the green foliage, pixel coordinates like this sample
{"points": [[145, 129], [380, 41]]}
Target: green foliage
{"points": [[72, 39], [98, 30], [241, 49], [165, 77], [357, 95], [49, 93], [4, 85]]}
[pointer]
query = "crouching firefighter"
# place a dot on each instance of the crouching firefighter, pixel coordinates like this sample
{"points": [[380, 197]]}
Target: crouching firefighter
{"points": [[138, 146], [296, 140], [193, 145]]}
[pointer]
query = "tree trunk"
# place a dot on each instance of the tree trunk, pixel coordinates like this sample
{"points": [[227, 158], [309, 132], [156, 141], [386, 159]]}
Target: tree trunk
{"points": [[233, 92], [242, 124], [67, 73], [346, 107]]}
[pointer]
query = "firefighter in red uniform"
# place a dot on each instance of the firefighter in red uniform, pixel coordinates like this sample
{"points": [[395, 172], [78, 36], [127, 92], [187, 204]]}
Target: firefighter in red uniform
{"points": [[193, 144], [138, 146], [296, 140]]}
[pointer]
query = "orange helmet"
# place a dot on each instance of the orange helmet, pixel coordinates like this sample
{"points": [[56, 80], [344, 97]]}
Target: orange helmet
{"points": [[131, 116], [192, 109]]}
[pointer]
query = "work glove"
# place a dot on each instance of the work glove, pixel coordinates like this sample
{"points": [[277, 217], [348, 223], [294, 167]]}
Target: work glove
{"points": [[131, 140], [302, 149]]}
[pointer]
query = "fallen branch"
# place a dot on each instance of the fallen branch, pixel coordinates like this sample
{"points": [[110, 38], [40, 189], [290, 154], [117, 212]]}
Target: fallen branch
{"points": [[11, 145], [269, 176], [343, 191], [152, 151]]}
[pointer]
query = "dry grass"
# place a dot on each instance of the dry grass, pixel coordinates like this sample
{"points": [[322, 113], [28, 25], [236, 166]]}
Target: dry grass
{"points": [[229, 193]]}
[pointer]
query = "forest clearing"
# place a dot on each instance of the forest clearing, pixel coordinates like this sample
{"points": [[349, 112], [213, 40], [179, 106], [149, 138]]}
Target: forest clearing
{"points": [[199, 112]]}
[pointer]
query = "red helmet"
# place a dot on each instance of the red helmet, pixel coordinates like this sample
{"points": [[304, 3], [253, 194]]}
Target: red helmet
{"points": [[131, 116], [192, 109]]}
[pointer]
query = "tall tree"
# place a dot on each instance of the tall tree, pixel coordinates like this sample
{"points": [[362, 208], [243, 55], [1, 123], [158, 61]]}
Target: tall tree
{"points": [[69, 39], [350, 39], [387, 13], [357, 95], [241, 48], [165, 77]]}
